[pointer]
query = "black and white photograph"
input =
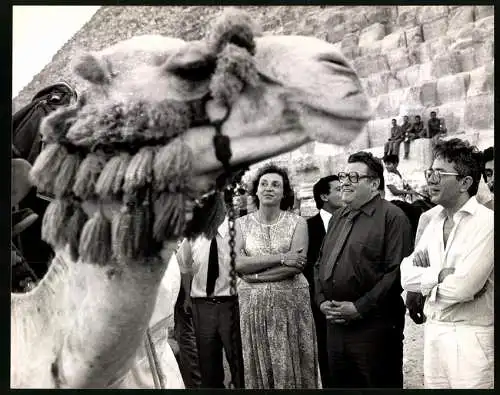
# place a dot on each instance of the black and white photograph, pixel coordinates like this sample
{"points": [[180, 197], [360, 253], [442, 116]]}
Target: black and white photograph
{"points": [[252, 197]]}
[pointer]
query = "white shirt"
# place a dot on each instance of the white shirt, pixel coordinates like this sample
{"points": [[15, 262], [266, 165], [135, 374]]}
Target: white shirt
{"points": [[470, 251], [391, 178], [325, 217], [193, 258]]}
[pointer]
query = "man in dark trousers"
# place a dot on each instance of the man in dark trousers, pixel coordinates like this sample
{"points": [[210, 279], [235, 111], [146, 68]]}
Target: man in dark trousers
{"points": [[205, 268], [393, 143], [357, 279], [327, 195]]}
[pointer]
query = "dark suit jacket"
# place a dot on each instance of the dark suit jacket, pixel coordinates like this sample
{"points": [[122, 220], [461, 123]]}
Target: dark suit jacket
{"points": [[316, 231]]}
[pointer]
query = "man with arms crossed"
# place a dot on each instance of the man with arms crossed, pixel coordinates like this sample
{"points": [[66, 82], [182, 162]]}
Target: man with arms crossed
{"points": [[452, 265]]}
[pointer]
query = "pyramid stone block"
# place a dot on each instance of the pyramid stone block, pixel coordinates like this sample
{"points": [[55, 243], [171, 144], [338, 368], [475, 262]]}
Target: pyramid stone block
{"points": [[482, 81], [446, 64], [431, 13], [414, 36], [435, 29], [370, 34], [479, 112], [409, 76], [366, 65], [452, 87], [407, 15], [398, 59], [453, 114], [482, 11], [428, 93], [393, 41], [460, 16]]}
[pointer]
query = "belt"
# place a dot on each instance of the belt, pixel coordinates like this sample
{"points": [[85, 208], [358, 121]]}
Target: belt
{"points": [[215, 299]]}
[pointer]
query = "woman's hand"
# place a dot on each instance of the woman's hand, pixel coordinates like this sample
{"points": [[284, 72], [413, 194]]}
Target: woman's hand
{"points": [[295, 259]]}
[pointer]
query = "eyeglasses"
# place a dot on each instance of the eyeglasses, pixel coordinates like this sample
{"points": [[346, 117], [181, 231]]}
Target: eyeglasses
{"points": [[437, 174], [353, 176], [488, 172]]}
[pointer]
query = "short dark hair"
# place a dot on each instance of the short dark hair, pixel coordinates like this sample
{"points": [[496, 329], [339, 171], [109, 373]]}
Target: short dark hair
{"points": [[433, 112], [391, 158], [322, 187], [288, 196], [488, 155], [418, 116], [374, 165], [467, 160], [393, 119]]}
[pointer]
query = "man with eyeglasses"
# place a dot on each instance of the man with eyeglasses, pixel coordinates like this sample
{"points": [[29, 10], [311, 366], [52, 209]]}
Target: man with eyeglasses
{"points": [[489, 174], [452, 265], [357, 281]]}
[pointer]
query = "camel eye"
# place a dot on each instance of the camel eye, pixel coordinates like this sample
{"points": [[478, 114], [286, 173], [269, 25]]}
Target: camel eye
{"points": [[196, 71]]}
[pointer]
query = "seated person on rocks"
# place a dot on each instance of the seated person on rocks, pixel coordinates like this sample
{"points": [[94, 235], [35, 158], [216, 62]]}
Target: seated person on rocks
{"points": [[395, 187], [435, 126], [409, 134], [418, 127], [397, 136]]}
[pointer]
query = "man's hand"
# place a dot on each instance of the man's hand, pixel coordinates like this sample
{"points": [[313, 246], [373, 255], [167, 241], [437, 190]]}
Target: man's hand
{"points": [[327, 309], [342, 312], [421, 258], [445, 272]]}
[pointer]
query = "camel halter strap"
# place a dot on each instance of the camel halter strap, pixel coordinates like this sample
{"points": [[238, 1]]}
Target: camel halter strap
{"points": [[222, 147]]}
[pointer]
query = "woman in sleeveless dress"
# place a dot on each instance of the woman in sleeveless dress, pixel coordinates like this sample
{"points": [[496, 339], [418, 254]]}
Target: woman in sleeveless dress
{"points": [[277, 327]]}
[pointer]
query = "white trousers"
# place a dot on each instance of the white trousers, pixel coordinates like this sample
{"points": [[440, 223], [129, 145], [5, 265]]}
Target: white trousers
{"points": [[457, 355]]}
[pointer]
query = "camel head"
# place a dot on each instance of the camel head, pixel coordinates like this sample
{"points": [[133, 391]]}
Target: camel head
{"points": [[142, 135]]}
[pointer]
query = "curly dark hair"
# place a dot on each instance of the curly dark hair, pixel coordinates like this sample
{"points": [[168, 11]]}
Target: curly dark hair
{"points": [[466, 158], [391, 158], [322, 187], [288, 195], [488, 155], [375, 166]]}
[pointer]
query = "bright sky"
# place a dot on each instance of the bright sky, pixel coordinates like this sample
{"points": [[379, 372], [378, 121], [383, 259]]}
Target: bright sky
{"points": [[38, 32]]}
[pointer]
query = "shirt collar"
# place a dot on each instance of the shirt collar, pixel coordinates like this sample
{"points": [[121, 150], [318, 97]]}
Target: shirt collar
{"points": [[469, 207], [368, 208], [325, 216], [223, 228]]}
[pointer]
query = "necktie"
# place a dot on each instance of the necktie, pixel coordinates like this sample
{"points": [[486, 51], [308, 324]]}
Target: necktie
{"points": [[213, 267]]}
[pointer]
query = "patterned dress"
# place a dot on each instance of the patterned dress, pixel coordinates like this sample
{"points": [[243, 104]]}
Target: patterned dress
{"points": [[277, 327]]}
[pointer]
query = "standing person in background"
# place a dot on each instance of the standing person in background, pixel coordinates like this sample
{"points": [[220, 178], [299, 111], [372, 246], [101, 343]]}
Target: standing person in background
{"points": [[489, 174], [277, 326], [452, 265], [205, 263], [358, 285], [328, 197], [397, 136], [410, 134]]}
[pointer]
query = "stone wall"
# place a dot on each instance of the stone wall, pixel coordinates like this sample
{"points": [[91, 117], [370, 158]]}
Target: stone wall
{"points": [[411, 60]]}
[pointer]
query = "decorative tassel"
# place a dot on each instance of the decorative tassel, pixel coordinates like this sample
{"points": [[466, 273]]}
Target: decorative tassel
{"points": [[172, 165], [110, 181], [83, 131], [169, 216], [233, 26], [73, 229], [56, 215], [139, 171], [95, 240], [63, 183], [55, 126], [87, 176], [235, 69], [47, 166], [131, 233]]}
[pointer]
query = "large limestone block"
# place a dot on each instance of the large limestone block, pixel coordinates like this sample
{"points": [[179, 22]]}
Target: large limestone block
{"points": [[457, 32], [399, 59], [380, 14], [446, 64], [453, 114], [370, 34], [460, 16], [374, 49], [453, 87], [350, 40], [409, 76], [419, 158], [435, 29], [335, 33], [381, 83], [428, 14], [467, 59], [482, 11], [366, 65], [428, 93], [356, 19], [334, 17], [428, 50], [411, 109], [482, 80], [426, 72], [407, 15], [486, 25], [393, 41], [414, 36], [485, 52], [479, 113], [389, 103], [349, 46], [379, 130]]}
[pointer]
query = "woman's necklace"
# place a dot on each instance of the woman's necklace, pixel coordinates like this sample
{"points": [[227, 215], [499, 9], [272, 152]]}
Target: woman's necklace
{"points": [[271, 224]]}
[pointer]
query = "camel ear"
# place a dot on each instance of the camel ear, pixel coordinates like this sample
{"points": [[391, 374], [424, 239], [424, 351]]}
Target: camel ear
{"points": [[193, 62], [21, 184], [92, 69]]}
